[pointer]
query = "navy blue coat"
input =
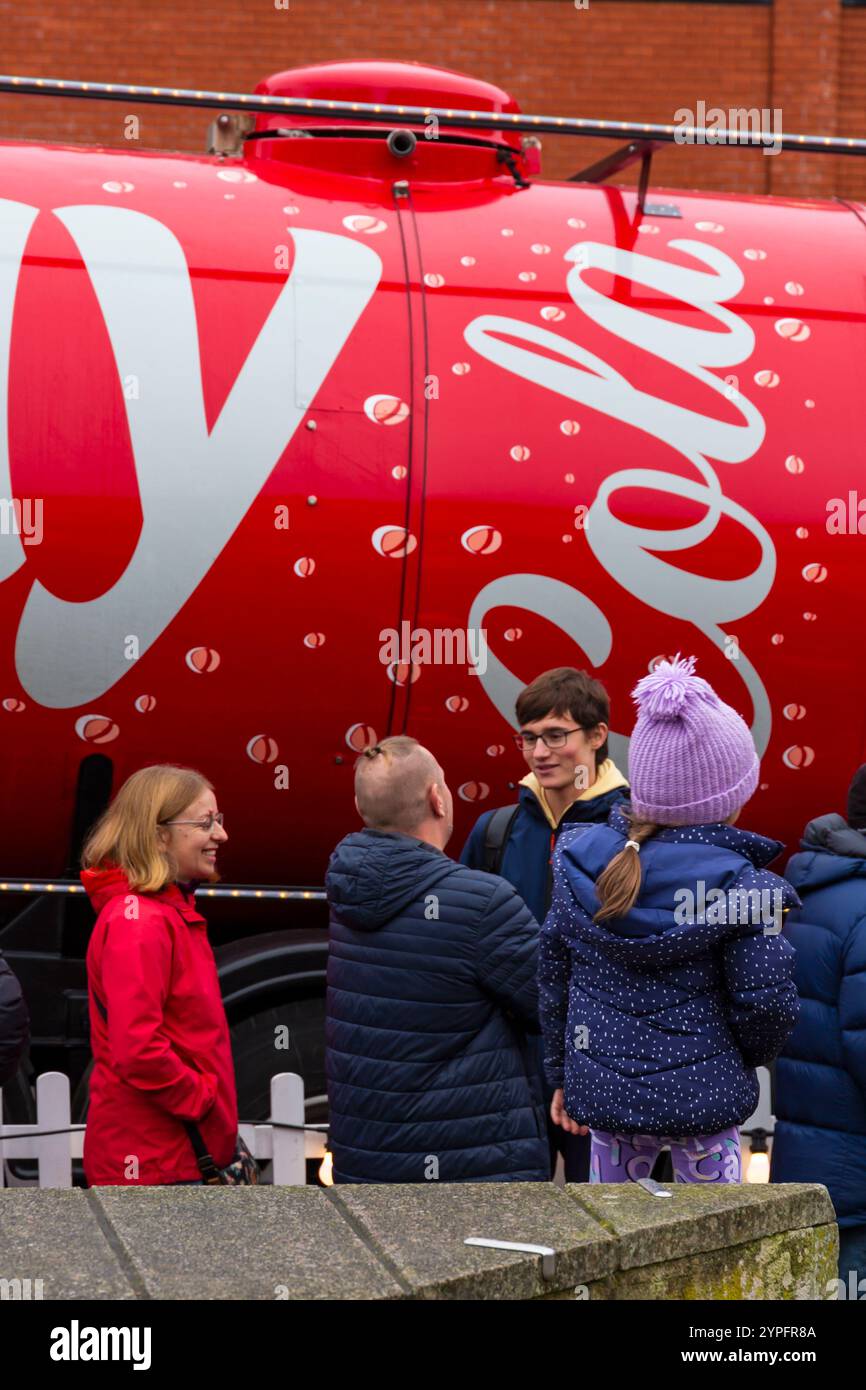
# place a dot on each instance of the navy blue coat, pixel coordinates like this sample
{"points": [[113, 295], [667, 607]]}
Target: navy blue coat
{"points": [[821, 1073], [432, 983], [14, 1023], [654, 1025], [526, 860]]}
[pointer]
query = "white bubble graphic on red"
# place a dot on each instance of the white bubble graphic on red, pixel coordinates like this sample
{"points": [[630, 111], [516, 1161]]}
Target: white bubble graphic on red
{"points": [[802, 533], [314, 640], [304, 567], [118, 186], [495, 750], [577, 222], [433, 280], [794, 287], [794, 711], [404, 672], [291, 209], [540, 248], [145, 704], [715, 227], [467, 260], [768, 299], [552, 313], [648, 229], [507, 231], [362, 222], [236, 176], [481, 540], [810, 617], [361, 736], [810, 405], [569, 477], [473, 791], [513, 634], [386, 410], [202, 660], [777, 639], [567, 539], [96, 728], [179, 183], [753, 254], [519, 452], [262, 749], [570, 427], [814, 573], [799, 755], [527, 275], [792, 330], [460, 368], [13, 705], [395, 542], [457, 704], [399, 471], [794, 463], [767, 378]]}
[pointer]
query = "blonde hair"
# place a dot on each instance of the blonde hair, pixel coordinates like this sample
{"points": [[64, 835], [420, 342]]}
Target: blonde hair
{"points": [[126, 834], [618, 886], [391, 783]]}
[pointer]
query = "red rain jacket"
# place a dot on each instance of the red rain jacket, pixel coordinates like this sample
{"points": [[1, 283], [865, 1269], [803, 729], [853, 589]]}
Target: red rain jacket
{"points": [[164, 1054]]}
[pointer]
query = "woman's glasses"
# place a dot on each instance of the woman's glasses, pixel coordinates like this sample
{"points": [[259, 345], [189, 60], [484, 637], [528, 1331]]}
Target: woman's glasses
{"points": [[215, 818]]}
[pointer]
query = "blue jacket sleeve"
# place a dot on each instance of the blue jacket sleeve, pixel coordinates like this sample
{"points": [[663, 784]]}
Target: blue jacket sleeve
{"points": [[763, 1005], [14, 1023], [472, 854], [852, 1004], [507, 955], [553, 976]]}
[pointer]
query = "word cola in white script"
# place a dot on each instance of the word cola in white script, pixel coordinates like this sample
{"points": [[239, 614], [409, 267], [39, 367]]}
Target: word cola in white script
{"points": [[732, 906], [713, 126], [437, 646], [76, 1343]]}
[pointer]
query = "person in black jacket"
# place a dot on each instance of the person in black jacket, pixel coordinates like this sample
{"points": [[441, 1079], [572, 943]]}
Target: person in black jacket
{"points": [[431, 987], [14, 1023], [821, 1073]]}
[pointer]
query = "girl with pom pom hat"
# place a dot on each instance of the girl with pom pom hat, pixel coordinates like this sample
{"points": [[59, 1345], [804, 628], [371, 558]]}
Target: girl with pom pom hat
{"points": [[664, 978]]}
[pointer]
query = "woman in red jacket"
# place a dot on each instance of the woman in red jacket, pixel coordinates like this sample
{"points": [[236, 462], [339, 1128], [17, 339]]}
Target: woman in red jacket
{"points": [[159, 1034]]}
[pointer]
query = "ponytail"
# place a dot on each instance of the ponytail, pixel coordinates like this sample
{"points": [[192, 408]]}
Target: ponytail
{"points": [[618, 886]]}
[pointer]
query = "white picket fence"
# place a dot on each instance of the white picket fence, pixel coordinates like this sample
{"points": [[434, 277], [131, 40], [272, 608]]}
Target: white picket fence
{"points": [[287, 1148]]}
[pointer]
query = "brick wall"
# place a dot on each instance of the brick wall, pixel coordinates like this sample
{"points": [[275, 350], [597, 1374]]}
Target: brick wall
{"points": [[633, 59]]}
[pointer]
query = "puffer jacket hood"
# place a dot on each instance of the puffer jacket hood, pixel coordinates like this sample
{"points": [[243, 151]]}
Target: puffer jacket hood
{"points": [[830, 852], [374, 874], [651, 934]]}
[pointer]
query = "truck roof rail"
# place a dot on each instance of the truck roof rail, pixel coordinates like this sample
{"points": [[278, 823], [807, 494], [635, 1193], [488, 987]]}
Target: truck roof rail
{"points": [[446, 116]]}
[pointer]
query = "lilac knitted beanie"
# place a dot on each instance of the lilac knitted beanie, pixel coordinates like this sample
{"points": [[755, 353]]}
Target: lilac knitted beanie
{"points": [[691, 758]]}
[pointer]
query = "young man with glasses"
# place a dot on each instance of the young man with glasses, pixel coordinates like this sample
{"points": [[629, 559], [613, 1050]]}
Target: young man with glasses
{"points": [[564, 717]]}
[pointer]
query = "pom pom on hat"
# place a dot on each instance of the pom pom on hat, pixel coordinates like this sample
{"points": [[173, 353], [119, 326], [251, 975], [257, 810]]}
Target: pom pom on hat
{"points": [[672, 689]]}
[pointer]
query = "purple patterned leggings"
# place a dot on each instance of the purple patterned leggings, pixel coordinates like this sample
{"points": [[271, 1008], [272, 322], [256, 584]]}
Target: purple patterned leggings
{"points": [[699, 1158]]}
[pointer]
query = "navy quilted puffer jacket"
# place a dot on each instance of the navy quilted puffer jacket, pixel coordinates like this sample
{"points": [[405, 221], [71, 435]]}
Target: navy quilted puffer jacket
{"points": [[432, 986], [656, 1025], [821, 1073]]}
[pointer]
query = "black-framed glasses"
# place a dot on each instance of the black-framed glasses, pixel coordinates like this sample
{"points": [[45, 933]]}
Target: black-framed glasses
{"points": [[214, 818], [553, 738]]}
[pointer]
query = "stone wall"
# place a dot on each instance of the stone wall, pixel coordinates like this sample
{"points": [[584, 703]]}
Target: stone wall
{"points": [[407, 1242]]}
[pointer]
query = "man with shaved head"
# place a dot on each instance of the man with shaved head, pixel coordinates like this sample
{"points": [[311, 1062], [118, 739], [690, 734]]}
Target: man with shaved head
{"points": [[431, 990]]}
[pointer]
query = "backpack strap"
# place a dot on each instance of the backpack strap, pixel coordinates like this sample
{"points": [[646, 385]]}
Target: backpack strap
{"points": [[496, 835]]}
